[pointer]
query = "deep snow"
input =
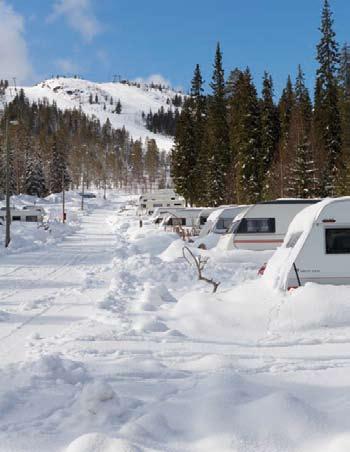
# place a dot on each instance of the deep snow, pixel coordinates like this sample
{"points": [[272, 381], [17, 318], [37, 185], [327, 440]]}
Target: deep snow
{"points": [[110, 344]]}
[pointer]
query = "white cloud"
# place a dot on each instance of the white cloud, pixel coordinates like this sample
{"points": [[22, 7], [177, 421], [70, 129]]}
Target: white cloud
{"points": [[66, 65], [79, 16], [14, 55], [157, 79]]}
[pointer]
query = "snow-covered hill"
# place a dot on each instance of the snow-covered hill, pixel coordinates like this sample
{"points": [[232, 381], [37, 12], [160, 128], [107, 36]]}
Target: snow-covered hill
{"points": [[69, 93]]}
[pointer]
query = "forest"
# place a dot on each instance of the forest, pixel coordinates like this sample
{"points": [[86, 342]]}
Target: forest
{"points": [[50, 148], [236, 146]]}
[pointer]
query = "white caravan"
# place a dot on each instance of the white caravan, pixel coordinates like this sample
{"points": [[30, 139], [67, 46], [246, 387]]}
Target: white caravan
{"points": [[203, 217], [263, 226], [316, 247], [148, 202], [181, 217], [28, 214], [220, 220]]}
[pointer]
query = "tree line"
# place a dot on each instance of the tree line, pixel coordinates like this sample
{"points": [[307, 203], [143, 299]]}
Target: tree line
{"points": [[51, 149], [163, 121], [236, 146]]}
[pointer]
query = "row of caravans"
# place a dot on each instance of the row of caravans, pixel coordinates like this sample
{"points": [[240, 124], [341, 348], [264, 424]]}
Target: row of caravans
{"points": [[260, 226], [311, 237]]}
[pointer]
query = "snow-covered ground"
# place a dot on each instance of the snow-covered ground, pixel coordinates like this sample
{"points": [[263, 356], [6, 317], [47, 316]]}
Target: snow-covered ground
{"points": [[108, 343], [70, 93]]}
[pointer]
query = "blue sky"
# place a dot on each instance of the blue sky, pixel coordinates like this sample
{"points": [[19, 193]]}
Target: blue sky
{"points": [[99, 38]]}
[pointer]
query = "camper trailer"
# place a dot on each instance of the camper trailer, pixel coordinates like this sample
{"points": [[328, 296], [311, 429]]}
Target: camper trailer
{"points": [[220, 220], [203, 217], [315, 249], [263, 226], [148, 202], [181, 217], [28, 214]]}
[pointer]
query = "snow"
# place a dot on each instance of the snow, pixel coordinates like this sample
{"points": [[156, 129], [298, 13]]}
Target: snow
{"points": [[70, 93], [110, 343]]}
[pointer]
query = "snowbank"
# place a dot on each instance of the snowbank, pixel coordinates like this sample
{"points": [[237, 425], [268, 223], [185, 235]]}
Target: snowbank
{"points": [[30, 236], [97, 442]]}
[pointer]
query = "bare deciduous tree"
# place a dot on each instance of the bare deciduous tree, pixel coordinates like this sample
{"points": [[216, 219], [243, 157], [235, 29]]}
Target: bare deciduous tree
{"points": [[200, 263]]}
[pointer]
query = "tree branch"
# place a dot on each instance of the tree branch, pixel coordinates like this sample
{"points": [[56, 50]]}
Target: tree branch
{"points": [[200, 264]]}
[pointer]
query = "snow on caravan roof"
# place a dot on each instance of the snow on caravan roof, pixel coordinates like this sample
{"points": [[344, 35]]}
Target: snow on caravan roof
{"points": [[220, 210], [291, 201]]}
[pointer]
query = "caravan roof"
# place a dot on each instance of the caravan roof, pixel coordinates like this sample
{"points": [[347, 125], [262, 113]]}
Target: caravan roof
{"points": [[316, 247]]}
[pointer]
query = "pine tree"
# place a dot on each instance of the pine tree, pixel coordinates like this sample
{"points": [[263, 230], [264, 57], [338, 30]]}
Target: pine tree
{"points": [[58, 166], [285, 147], [269, 124], [137, 161], [245, 139], [218, 146], [326, 113], [12, 176], [152, 160], [183, 156], [118, 107], [302, 173], [198, 109], [302, 178], [344, 107], [34, 177]]}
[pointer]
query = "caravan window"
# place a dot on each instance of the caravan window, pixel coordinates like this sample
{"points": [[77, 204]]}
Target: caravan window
{"points": [[176, 221], [16, 218], [338, 241], [157, 205], [31, 218], [223, 223], [202, 220], [257, 226]]}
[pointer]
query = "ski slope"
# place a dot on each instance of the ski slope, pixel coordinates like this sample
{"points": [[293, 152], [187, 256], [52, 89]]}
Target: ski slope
{"points": [[110, 344], [70, 93]]}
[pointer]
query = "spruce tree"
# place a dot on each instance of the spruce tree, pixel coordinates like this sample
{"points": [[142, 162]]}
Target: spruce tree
{"points": [[183, 157], [218, 146], [285, 148], [344, 107], [118, 107], [34, 183], [269, 124], [198, 115], [301, 181], [245, 139], [137, 161], [326, 112], [152, 160], [59, 175]]}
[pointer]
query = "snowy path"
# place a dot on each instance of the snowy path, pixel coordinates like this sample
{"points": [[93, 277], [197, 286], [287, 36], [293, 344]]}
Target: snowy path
{"points": [[110, 332], [45, 290]]}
